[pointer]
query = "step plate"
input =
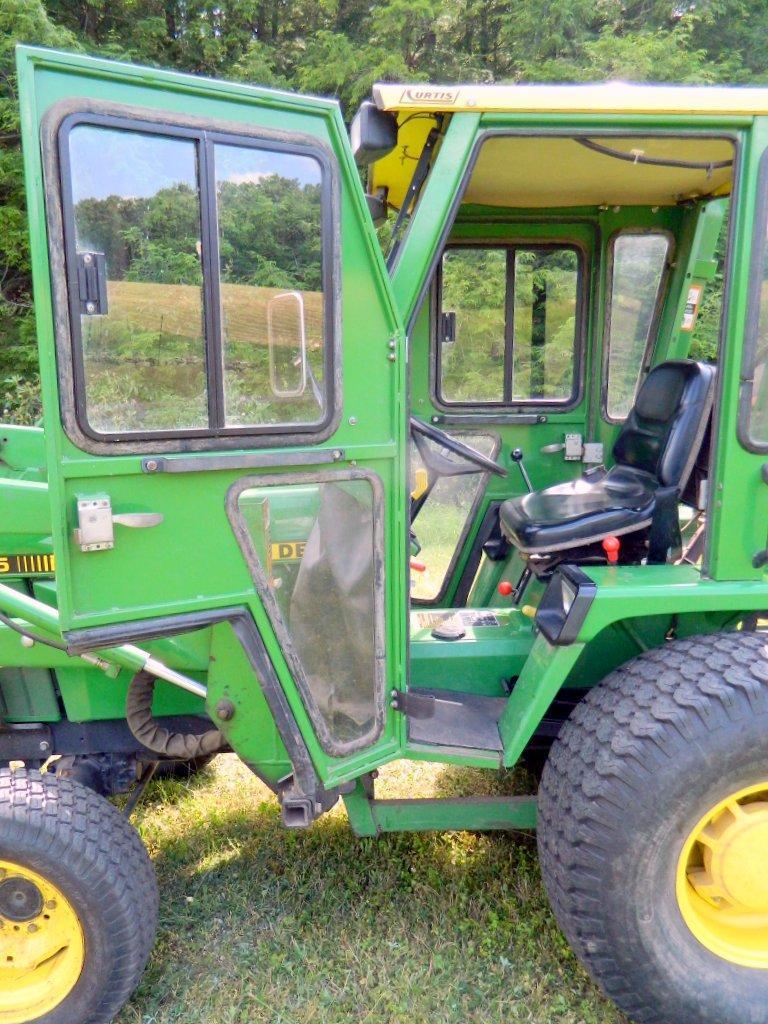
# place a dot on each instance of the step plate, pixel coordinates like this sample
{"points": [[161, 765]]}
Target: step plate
{"points": [[459, 720]]}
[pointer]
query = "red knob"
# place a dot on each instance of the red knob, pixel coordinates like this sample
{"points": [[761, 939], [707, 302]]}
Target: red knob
{"points": [[611, 547], [505, 588], [418, 566]]}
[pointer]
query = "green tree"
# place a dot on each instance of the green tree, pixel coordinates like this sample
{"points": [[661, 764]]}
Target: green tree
{"points": [[21, 21]]}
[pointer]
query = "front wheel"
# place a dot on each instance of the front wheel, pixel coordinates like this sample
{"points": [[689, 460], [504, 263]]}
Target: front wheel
{"points": [[653, 832], [78, 903]]}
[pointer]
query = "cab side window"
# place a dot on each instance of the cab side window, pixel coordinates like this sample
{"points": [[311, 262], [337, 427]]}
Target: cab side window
{"points": [[637, 268], [198, 270], [508, 328]]}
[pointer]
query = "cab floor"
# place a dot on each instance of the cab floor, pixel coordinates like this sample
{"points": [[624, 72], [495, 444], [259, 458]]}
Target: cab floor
{"points": [[452, 719]]}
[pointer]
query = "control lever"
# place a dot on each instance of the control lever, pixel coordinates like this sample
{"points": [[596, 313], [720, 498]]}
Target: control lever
{"points": [[517, 456]]}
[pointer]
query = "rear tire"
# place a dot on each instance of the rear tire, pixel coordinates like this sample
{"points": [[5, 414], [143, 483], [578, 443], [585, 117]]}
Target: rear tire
{"points": [[634, 772], [91, 898]]}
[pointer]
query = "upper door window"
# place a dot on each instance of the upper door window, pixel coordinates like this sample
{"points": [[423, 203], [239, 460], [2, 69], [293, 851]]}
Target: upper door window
{"points": [[638, 263], [509, 325], [198, 277]]}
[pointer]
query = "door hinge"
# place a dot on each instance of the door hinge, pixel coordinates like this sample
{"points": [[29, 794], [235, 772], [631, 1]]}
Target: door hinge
{"points": [[95, 523], [414, 705]]}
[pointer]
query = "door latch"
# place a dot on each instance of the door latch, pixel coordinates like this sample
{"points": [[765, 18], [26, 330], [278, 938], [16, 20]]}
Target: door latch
{"points": [[92, 283], [574, 447], [95, 523]]}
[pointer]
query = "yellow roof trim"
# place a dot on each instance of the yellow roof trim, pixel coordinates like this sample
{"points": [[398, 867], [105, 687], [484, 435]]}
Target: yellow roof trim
{"points": [[602, 98]]}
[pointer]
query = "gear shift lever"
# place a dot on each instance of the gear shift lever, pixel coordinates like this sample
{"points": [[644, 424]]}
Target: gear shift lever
{"points": [[517, 456]]}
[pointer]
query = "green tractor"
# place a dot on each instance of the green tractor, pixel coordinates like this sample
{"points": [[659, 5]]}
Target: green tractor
{"points": [[500, 497]]}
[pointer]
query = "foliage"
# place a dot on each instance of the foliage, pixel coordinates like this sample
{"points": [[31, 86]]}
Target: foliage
{"points": [[20, 401], [20, 21]]}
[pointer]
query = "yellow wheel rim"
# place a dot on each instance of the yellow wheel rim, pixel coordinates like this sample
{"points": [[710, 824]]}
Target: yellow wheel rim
{"points": [[722, 878], [42, 950]]}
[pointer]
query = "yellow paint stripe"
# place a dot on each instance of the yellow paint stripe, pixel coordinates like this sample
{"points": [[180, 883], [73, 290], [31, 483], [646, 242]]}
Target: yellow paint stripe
{"points": [[602, 98]]}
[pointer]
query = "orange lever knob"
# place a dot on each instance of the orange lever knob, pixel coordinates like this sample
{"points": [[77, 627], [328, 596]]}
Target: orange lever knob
{"points": [[418, 566], [505, 588], [611, 547]]}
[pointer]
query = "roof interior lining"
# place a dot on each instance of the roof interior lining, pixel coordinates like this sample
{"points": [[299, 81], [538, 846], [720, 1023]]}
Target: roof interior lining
{"points": [[516, 171]]}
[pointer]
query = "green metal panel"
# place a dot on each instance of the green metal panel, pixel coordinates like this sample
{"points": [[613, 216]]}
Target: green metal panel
{"points": [[22, 452], [623, 593], [544, 673], [372, 817], [231, 678], [736, 484], [27, 695], [482, 662], [26, 525], [89, 695]]}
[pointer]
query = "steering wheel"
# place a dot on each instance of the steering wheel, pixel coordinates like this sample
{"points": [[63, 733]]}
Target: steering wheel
{"points": [[443, 466]]}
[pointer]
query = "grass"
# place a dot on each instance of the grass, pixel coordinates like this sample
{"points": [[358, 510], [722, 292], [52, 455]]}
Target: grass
{"points": [[176, 309], [258, 924]]}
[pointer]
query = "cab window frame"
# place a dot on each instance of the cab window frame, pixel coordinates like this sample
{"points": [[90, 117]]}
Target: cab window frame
{"points": [[528, 405], [658, 311], [204, 133], [758, 257]]}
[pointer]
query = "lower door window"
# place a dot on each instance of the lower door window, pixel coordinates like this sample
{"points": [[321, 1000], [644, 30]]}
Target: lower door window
{"points": [[314, 547]]}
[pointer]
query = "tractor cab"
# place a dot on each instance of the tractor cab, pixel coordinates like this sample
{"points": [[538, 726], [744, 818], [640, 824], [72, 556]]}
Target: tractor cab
{"points": [[568, 330], [467, 465]]}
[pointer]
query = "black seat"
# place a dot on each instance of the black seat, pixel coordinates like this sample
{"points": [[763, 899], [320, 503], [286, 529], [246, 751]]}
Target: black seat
{"points": [[653, 457]]}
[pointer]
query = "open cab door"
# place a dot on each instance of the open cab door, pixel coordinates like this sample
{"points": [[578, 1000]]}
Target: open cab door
{"points": [[222, 373]]}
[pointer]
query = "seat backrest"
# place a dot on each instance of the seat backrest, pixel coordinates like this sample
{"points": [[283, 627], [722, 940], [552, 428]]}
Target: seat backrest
{"points": [[665, 426]]}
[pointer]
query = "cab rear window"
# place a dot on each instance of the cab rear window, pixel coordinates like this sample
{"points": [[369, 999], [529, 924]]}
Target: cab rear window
{"points": [[509, 325], [198, 281]]}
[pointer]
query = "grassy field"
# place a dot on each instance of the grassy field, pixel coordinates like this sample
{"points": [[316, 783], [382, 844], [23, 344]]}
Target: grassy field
{"points": [[262, 925]]}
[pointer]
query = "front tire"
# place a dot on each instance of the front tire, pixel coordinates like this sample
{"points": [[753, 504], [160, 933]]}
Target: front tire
{"points": [[78, 903], [654, 800]]}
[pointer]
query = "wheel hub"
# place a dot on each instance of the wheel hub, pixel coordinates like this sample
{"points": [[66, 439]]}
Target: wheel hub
{"points": [[20, 899], [722, 882], [42, 948], [734, 858]]}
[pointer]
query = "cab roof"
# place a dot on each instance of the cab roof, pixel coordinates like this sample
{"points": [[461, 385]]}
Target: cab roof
{"points": [[563, 172], [599, 98]]}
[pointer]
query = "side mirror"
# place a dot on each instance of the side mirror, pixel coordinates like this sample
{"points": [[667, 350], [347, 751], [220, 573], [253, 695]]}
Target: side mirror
{"points": [[287, 341], [373, 133]]}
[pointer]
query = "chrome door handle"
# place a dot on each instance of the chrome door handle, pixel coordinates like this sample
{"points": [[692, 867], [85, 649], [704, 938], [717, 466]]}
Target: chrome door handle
{"points": [[95, 529], [138, 520]]}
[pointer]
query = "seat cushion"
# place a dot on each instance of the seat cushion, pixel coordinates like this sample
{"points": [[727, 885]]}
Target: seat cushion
{"points": [[579, 512]]}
